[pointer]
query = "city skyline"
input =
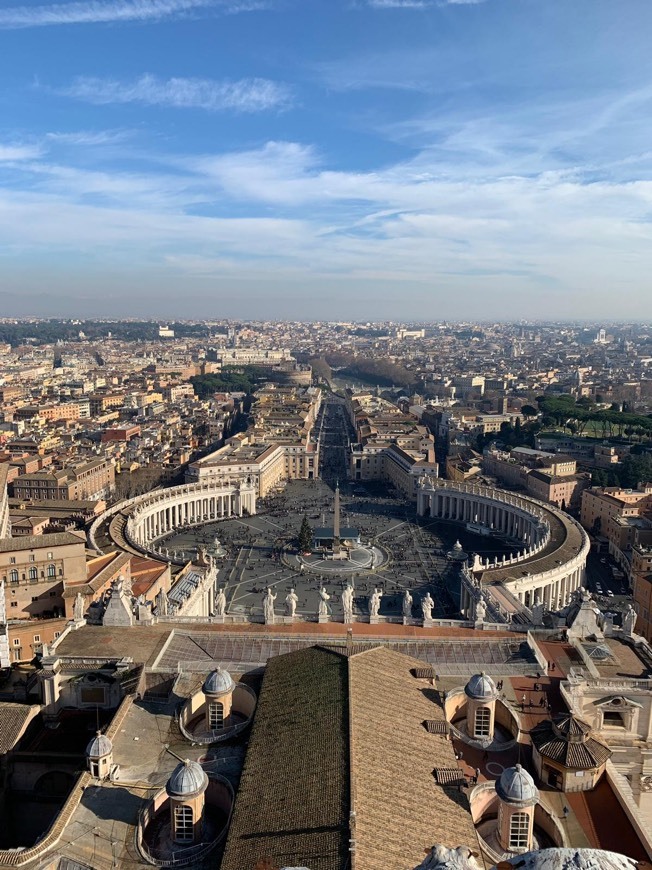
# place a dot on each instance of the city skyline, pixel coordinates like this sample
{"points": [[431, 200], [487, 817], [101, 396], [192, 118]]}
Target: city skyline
{"points": [[387, 159]]}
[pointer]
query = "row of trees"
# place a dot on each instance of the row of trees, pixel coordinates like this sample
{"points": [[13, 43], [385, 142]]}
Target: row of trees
{"points": [[379, 370], [242, 379], [583, 417], [632, 471]]}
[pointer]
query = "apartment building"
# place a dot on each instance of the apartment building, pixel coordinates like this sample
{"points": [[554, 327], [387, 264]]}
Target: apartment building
{"points": [[34, 569], [392, 446], [601, 504], [89, 480]]}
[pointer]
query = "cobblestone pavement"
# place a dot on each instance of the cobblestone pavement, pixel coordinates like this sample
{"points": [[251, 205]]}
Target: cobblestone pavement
{"points": [[416, 551]]}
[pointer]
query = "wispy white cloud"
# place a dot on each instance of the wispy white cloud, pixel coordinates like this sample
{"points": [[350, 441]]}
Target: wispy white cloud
{"points": [[399, 4], [88, 137], [102, 11], [419, 4], [244, 95], [14, 153]]}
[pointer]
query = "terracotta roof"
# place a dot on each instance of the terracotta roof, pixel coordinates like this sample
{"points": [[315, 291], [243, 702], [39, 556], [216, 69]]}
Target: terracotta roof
{"points": [[41, 542], [293, 800], [94, 566], [569, 741], [400, 808], [144, 580], [14, 718]]}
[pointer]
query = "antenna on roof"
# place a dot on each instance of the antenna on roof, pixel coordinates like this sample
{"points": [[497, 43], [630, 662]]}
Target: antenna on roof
{"points": [[167, 749]]}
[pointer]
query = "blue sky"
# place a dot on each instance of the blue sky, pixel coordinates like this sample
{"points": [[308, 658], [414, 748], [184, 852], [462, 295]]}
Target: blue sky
{"points": [[363, 159]]}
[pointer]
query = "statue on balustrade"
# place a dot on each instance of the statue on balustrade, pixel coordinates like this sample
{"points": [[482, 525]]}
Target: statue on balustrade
{"points": [[268, 606], [374, 603], [427, 605], [323, 604], [220, 603], [347, 603], [161, 602], [78, 607], [291, 601]]}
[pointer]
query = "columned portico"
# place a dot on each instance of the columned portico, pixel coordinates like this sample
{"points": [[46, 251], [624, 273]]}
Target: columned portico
{"points": [[159, 513], [549, 564]]}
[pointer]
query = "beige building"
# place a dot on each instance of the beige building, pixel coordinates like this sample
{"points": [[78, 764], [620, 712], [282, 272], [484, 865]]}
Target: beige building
{"points": [[279, 445], [93, 479], [391, 446], [641, 577], [5, 522], [33, 573], [563, 491], [600, 504]]}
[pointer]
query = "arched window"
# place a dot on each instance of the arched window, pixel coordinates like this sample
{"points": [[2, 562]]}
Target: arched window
{"points": [[482, 720], [183, 828], [33, 574], [216, 715], [13, 576], [52, 571], [519, 827]]}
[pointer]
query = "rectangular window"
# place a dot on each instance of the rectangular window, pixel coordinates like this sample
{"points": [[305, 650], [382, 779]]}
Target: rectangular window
{"points": [[37, 638], [482, 720], [216, 715], [183, 827], [613, 719], [16, 641], [14, 604], [519, 825]]}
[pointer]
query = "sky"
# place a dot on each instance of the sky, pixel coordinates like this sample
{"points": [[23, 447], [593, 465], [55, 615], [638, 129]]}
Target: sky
{"points": [[326, 159]]}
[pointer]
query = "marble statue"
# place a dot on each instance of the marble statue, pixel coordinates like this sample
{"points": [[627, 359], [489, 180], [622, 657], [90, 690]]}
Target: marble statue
{"points": [[407, 603], [323, 605], [443, 858], [480, 610], [268, 606], [291, 601], [427, 604], [78, 607], [347, 603], [629, 620], [123, 586], [374, 602], [220, 602], [161, 602]]}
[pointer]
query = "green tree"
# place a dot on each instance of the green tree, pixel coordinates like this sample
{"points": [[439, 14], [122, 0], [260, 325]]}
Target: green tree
{"points": [[304, 539], [529, 411]]}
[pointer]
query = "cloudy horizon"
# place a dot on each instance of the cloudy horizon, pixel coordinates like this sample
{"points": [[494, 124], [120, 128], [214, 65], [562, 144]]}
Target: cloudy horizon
{"points": [[358, 159]]}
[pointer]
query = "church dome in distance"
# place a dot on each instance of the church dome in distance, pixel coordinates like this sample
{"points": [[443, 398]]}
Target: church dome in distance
{"points": [[481, 688], [100, 746], [187, 778], [517, 787], [218, 682]]}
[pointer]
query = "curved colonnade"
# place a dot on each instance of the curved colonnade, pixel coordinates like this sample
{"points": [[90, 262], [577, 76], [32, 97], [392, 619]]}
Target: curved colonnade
{"points": [[157, 513], [547, 570]]}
